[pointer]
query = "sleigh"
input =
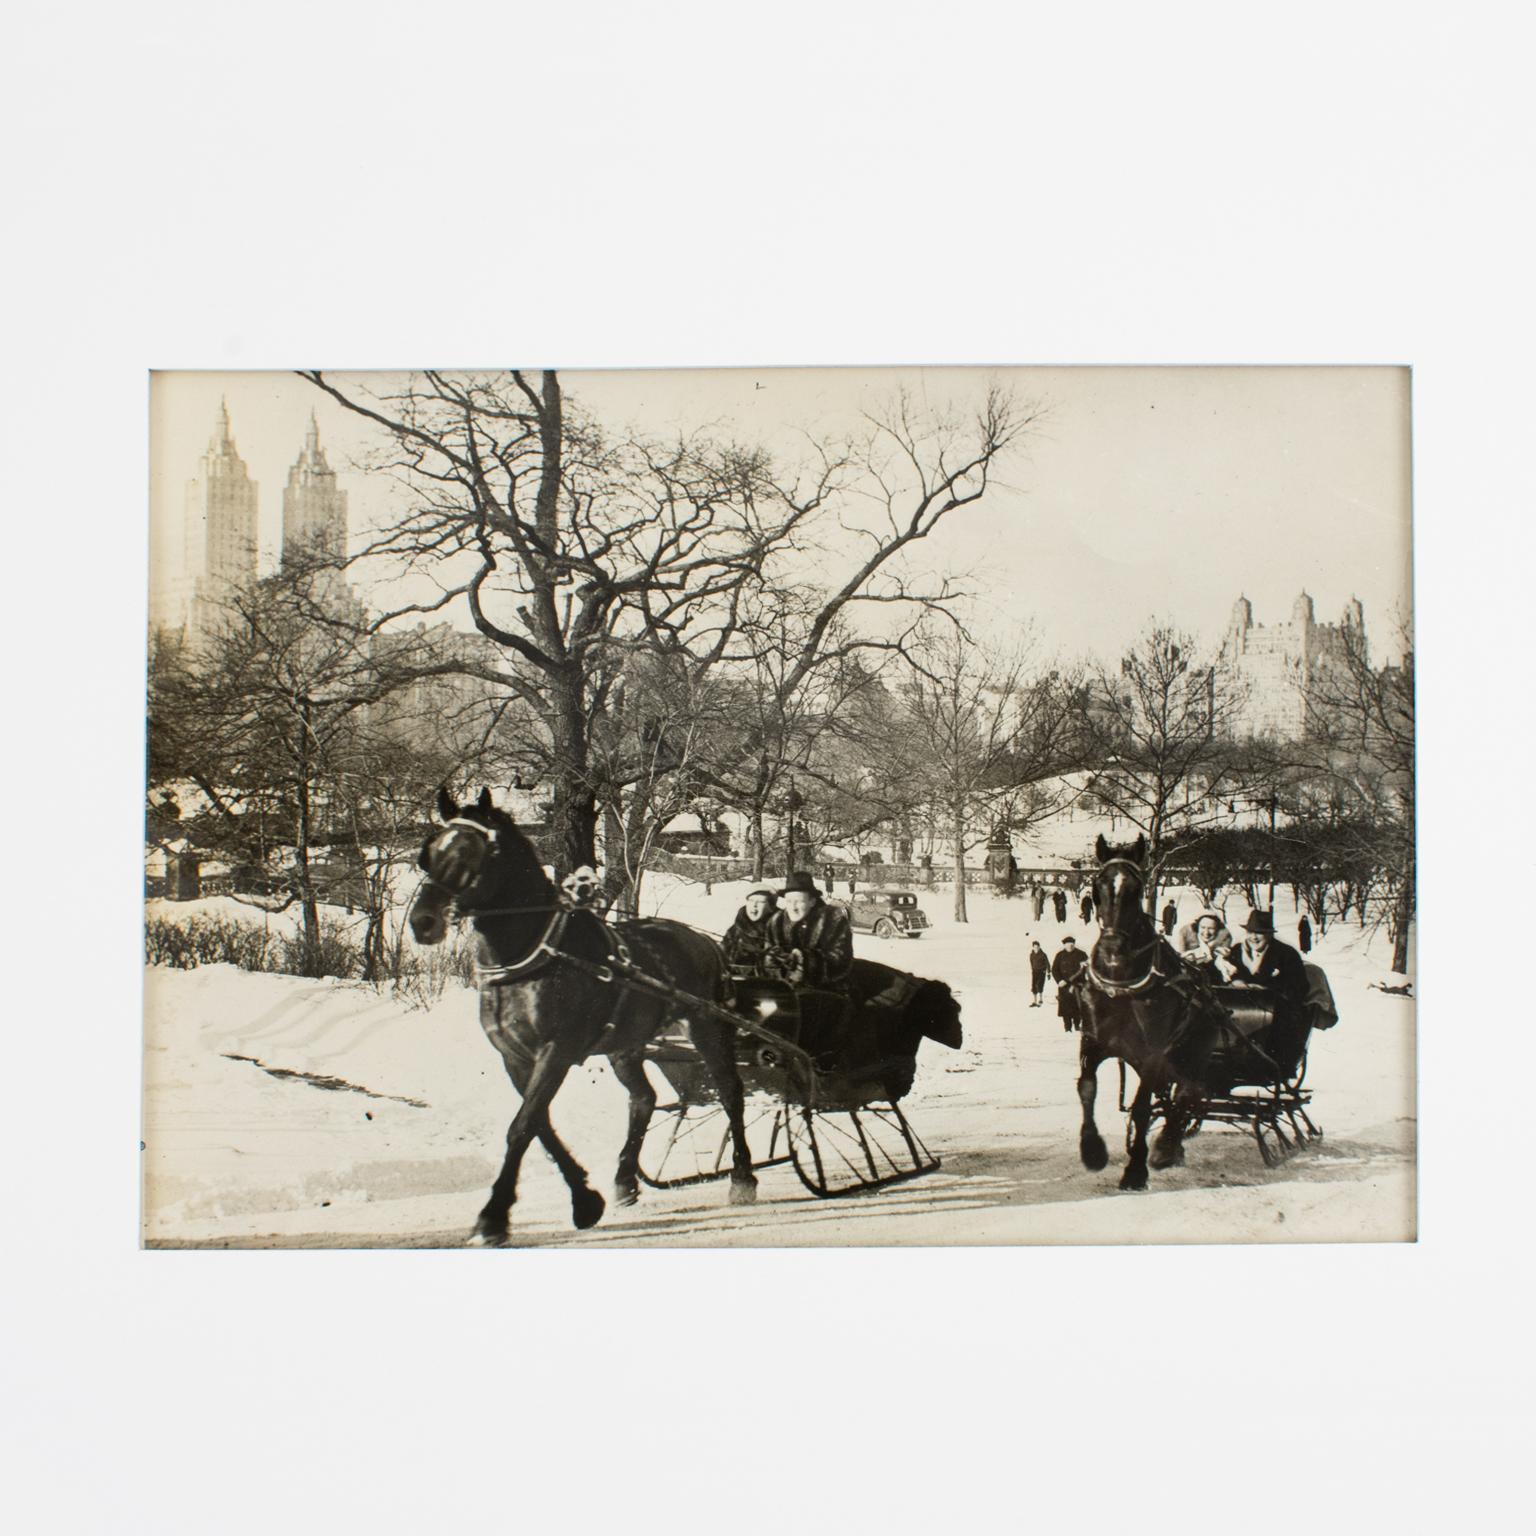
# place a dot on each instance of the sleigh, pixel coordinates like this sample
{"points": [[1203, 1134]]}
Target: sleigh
{"points": [[1253, 1079], [826, 1102]]}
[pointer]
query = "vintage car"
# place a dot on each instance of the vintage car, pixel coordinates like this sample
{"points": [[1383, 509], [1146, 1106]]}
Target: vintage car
{"points": [[887, 914]]}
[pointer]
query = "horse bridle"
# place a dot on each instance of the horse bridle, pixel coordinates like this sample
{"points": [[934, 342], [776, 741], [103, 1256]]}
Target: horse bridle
{"points": [[1128, 988], [546, 949]]}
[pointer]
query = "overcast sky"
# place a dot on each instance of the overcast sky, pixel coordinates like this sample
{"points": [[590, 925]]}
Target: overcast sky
{"points": [[1143, 492]]}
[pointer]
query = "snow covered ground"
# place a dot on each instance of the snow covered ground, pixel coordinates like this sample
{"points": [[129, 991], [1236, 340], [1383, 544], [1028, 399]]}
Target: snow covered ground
{"points": [[403, 1154]]}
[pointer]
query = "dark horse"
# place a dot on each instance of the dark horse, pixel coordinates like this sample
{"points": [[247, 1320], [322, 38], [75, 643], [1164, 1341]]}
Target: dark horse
{"points": [[558, 984], [1142, 1005]]}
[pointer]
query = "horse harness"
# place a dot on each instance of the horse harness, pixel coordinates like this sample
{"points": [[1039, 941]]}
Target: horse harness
{"points": [[619, 969], [1195, 991]]}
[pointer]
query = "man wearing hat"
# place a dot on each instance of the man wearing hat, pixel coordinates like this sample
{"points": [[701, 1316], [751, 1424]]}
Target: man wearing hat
{"points": [[1065, 967], [818, 939], [1262, 960], [747, 940], [820, 934]]}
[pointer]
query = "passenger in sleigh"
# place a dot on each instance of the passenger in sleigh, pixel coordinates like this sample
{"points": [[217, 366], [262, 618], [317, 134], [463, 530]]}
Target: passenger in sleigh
{"points": [[1266, 962], [747, 940], [811, 947], [1206, 944]]}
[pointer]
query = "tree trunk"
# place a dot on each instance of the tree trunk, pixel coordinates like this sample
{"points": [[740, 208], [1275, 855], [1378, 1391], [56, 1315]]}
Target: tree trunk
{"points": [[573, 821], [1402, 918], [308, 905], [957, 820], [757, 842]]}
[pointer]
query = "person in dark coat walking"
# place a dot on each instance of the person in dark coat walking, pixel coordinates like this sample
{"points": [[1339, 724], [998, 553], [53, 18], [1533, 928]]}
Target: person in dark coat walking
{"points": [[1261, 960], [1304, 934], [1039, 969], [1085, 907], [1059, 900], [1037, 895], [1170, 917], [1065, 967], [747, 940]]}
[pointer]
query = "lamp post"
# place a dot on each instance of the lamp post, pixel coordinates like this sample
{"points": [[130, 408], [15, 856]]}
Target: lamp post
{"points": [[792, 803]]}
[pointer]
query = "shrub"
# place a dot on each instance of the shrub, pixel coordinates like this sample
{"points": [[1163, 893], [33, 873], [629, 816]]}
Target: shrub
{"points": [[420, 976], [333, 953], [207, 941]]}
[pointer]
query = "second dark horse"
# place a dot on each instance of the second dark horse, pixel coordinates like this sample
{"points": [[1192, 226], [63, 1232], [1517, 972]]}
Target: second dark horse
{"points": [[1142, 1005], [558, 985]]}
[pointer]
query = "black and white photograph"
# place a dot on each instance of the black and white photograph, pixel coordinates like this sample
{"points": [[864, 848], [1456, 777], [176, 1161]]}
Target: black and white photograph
{"points": [[802, 807]]}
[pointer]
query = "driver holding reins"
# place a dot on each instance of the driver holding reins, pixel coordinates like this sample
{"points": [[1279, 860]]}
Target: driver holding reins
{"points": [[812, 942]]}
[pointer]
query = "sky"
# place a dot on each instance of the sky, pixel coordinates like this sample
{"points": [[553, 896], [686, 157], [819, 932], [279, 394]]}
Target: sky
{"points": [[1139, 493]]}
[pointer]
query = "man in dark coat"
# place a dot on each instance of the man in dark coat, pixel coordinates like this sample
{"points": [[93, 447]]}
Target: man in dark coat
{"points": [[1085, 907], [818, 940], [1261, 960], [746, 941], [1170, 917], [1037, 895], [1068, 962], [1039, 969], [1059, 900], [1304, 934], [818, 932]]}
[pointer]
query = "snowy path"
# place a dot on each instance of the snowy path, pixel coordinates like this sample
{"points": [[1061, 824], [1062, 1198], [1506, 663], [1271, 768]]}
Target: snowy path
{"points": [[235, 1156]]}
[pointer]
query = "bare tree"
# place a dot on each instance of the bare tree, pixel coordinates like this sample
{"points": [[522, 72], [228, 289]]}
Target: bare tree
{"points": [[271, 717], [565, 544], [1361, 729], [1162, 733], [978, 733]]}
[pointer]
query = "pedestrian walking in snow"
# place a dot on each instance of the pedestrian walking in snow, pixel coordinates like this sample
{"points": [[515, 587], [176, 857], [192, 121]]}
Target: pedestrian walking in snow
{"points": [[1304, 934], [1085, 907], [1039, 967], [1170, 917], [1037, 894], [1059, 901], [1068, 962]]}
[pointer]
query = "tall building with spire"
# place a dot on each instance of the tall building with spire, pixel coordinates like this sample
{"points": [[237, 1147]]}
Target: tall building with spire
{"points": [[314, 507], [315, 527], [218, 540]]}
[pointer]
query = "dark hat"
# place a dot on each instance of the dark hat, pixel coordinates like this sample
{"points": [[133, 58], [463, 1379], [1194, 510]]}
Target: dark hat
{"points": [[762, 890], [800, 881], [1260, 922], [1069, 940]]}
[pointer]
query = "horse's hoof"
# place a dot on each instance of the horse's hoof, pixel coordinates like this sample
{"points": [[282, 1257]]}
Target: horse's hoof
{"points": [[1094, 1153], [1133, 1178], [1167, 1157], [482, 1239], [587, 1209], [743, 1194], [626, 1194]]}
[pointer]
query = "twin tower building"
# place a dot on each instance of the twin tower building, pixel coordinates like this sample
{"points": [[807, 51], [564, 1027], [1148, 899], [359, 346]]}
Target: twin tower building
{"points": [[219, 543]]}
